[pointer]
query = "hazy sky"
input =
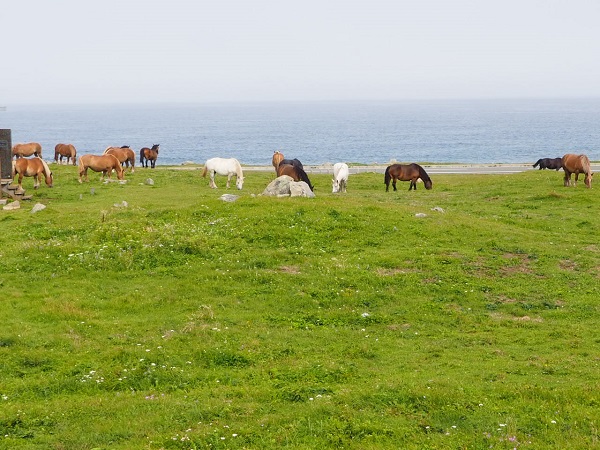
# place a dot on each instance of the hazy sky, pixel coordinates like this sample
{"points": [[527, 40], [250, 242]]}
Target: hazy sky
{"points": [[79, 51]]}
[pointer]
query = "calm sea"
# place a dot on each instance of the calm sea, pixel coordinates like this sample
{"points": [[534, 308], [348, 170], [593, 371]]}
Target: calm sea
{"points": [[485, 131]]}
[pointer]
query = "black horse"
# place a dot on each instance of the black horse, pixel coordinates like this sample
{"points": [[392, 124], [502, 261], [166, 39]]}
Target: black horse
{"points": [[549, 163]]}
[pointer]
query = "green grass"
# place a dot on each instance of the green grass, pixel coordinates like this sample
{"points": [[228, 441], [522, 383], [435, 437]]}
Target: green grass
{"points": [[345, 321]]}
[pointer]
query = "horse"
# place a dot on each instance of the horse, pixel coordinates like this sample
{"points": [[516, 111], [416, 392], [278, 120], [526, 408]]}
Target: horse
{"points": [[124, 154], [32, 148], [549, 163], [577, 164], [340, 177], [65, 150], [406, 172], [149, 154], [292, 162], [224, 166], [104, 163], [32, 167], [294, 171], [277, 158]]}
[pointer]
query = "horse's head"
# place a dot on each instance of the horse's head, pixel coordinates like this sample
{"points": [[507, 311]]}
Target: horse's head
{"points": [[588, 179], [50, 180], [336, 185], [428, 184], [239, 182]]}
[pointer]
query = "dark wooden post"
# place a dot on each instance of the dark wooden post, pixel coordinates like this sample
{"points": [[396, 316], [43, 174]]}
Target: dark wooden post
{"points": [[5, 156]]}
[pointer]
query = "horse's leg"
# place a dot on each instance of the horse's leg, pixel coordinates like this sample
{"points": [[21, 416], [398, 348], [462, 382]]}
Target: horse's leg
{"points": [[567, 178], [212, 183], [394, 184], [20, 182], [228, 180], [36, 181]]}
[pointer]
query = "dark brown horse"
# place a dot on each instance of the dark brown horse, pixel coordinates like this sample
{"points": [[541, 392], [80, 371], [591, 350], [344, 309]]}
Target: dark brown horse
{"points": [[577, 164], [124, 154], [294, 171], [149, 154], [65, 150], [406, 172], [549, 163]]}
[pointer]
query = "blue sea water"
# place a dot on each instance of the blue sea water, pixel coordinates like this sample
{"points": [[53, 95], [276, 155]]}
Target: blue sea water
{"points": [[469, 131]]}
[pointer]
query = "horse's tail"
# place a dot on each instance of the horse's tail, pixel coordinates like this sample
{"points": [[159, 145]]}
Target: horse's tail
{"points": [[141, 156], [537, 163], [205, 171], [387, 177], [304, 177]]}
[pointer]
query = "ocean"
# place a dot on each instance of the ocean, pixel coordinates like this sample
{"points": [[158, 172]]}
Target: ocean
{"points": [[449, 131]]}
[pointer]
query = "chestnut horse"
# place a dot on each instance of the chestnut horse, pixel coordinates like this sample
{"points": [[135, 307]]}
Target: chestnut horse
{"points": [[406, 172], [294, 171], [549, 163], [65, 150], [32, 148], [105, 164], [124, 154], [277, 158], [32, 167], [149, 154], [577, 164]]}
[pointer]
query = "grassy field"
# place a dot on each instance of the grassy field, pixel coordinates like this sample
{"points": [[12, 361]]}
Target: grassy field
{"points": [[180, 321]]}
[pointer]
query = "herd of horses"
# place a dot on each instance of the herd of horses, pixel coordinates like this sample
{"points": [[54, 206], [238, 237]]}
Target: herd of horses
{"points": [[117, 159], [112, 159]]}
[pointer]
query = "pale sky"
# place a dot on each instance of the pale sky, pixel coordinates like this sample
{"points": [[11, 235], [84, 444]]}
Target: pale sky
{"points": [[78, 51]]}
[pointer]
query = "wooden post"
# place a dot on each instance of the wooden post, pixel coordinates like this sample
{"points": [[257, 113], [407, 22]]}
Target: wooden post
{"points": [[5, 156]]}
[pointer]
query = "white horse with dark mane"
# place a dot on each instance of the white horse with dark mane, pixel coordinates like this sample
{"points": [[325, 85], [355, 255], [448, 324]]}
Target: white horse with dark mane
{"points": [[340, 177], [226, 167]]}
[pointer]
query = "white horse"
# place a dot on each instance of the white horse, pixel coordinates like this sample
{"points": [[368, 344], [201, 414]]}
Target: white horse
{"points": [[340, 177], [224, 166]]}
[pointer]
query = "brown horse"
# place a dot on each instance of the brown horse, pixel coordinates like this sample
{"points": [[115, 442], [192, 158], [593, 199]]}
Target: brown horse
{"points": [[32, 148], [406, 172], [149, 154], [577, 164], [294, 171], [32, 167], [105, 164], [124, 154], [65, 150], [277, 158]]}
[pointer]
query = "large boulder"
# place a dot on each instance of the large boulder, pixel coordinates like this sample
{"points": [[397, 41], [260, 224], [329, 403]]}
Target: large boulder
{"points": [[300, 189], [279, 187]]}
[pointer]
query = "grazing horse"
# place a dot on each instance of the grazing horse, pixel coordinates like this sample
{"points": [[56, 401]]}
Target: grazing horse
{"points": [[577, 164], [406, 172], [549, 163], [65, 150], [105, 164], [340, 177], [124, 154], [224, 166], [294, 171], [32, 167], [277, 158], [292, 162], [149, 154], [21, 150]]}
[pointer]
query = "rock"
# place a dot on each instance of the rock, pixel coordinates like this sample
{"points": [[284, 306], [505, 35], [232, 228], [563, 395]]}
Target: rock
{"points": [[37, 207], [150, 182], [438, 209], [300, 189], [123, 204], [229, 197], [420, 215], [3, 201], [279, 186], [12, 206]]}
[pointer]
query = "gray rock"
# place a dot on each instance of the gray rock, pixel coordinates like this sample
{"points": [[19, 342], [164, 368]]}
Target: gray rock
{"points": [[229, 197], [123, 204], [420, 215], [300, 189], [279, 186], [37, 207], [438, 209], [12, 206], [150, 182]]}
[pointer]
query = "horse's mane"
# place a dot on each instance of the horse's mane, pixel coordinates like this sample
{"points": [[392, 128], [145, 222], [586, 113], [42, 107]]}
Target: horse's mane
{"points": [[47, 170], [422, 174], [585, 163]]}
